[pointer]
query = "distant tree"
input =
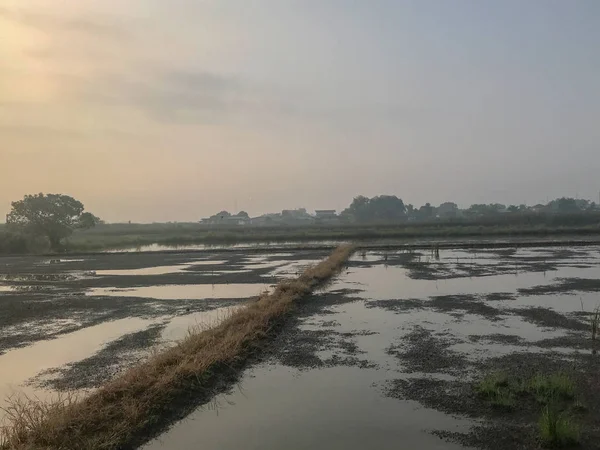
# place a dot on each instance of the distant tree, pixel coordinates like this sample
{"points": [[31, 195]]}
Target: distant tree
{"points": [[564, 205], [383, 207], [448, 209], [387, 207], [426, 211], [513, 208], [54, 216], [243, 214]]}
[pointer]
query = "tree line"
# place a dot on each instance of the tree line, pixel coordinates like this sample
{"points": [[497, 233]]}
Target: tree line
{"points": [[44, 221], [391, 208]]}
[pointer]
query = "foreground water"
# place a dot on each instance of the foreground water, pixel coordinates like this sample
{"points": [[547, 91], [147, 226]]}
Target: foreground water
{"points": [[342, 398], [329, 385]]}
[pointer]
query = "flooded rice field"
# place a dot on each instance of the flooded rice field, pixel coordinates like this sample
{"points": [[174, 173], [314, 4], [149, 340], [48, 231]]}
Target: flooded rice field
{"points": [[386, 356], [71, 324]]}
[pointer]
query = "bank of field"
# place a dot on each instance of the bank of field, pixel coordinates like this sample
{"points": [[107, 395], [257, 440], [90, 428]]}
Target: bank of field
{"points": [[131, 235], [122, 413]]}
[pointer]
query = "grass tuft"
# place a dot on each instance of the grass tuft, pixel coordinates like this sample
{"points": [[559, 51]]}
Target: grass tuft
{"points": [[546, 388], [557, 431], [123, 411], [491, 382], [495, 387], [595, 323]]}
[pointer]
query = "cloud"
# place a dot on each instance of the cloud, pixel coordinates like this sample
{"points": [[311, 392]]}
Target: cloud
{"points": [[51, 23], [168, 95]]}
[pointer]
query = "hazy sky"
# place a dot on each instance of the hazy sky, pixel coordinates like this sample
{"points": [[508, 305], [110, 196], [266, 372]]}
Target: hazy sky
{"points": [[154, 110]]}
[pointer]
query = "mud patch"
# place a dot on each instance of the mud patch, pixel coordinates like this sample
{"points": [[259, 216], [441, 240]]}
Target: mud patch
{"points": [[500, 296], [497, 338], [564, 286], [545, 317], [397, 305], [304, 349], [422, 351], [96, 370], [470, 304]]}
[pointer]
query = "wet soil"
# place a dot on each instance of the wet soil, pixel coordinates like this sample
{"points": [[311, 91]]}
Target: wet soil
{"points": [[545, 317], [101, 367], [48, 296], [457, 305], [507, 428], [565, 286], [302, 348], [423, 351]]}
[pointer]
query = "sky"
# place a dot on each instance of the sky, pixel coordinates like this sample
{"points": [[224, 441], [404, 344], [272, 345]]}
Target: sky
{"points": [[148, 110]]}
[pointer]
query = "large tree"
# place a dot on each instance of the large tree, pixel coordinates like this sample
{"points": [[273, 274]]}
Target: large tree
{"points": [[54, 216], [382, 207]]}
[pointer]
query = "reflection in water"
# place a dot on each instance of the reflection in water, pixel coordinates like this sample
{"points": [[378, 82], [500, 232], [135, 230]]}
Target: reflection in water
{"points": [[159, 270], [186, 292], [240, 246], [335, 408], [19, 365]]}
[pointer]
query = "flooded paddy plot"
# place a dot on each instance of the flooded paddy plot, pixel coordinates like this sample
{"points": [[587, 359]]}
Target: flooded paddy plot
{"points": [[390, 355], [73, 324]]}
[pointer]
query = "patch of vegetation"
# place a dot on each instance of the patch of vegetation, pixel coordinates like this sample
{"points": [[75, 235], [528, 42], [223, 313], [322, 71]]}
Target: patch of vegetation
{"points": [[556, 430], [490, 383], [547, 388], [555, 391], [495, 387], [595, 322]]}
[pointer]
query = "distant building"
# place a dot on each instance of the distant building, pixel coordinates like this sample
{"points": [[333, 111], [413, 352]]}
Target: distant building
{"points": [[326, 215]]}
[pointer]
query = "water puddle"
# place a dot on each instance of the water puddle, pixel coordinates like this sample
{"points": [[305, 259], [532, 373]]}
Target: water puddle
{"points": [[186, 292]]}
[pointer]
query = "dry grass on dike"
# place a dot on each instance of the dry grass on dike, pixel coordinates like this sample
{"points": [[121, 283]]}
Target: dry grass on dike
{"points": [[125, 408]]}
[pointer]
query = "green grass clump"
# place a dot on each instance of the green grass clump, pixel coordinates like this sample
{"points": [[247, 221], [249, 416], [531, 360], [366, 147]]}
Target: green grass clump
{"points": [[554, 386], [503, 398], [491, 382], [557, 431], [595, 322], [496, 388]]}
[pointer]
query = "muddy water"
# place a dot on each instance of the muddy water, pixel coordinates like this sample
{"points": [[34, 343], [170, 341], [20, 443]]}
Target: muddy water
{"points": [[337, 402]]}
